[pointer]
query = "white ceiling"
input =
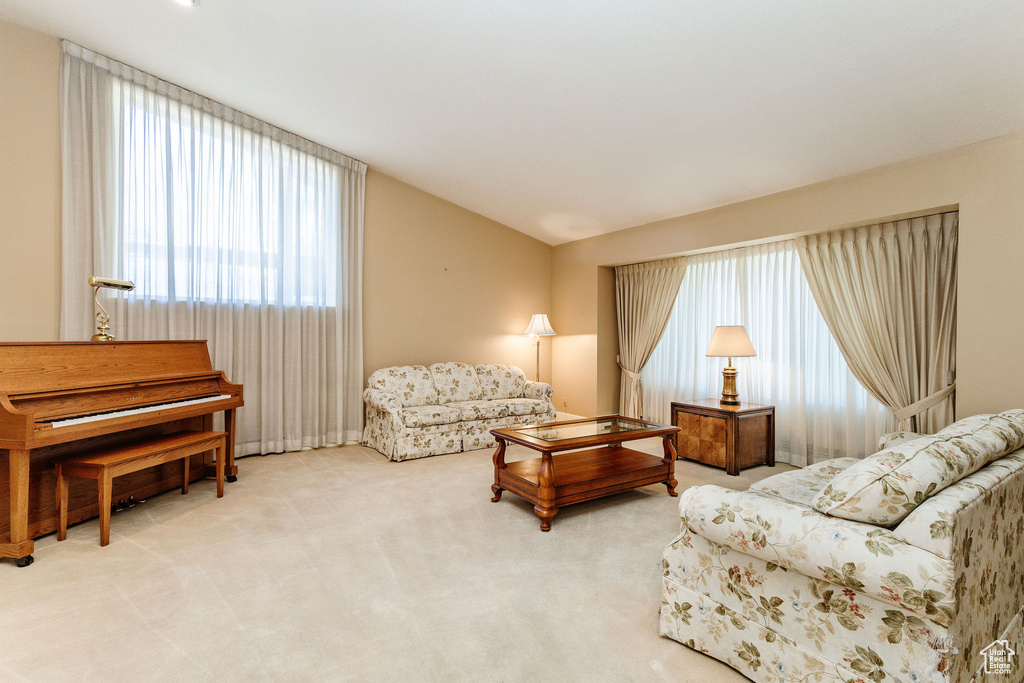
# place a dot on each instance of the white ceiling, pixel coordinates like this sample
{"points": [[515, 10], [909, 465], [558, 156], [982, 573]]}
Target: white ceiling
{"points": [[570, 118]]}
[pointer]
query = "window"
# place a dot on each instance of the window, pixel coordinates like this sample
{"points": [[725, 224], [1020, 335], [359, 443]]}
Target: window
{"points": [[214, 212], [234, 231], [822, 411]]}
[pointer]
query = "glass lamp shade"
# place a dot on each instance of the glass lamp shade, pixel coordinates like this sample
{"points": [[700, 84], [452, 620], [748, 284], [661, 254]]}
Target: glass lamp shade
{"points": [[540, 326], [730, 341]]}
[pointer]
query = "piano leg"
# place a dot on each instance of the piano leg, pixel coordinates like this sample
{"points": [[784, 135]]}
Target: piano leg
{"points": [[229, 451], [20, 546]]}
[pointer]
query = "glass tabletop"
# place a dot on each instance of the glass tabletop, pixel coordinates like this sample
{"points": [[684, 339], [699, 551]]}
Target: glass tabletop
{"points": [[576, 430]]}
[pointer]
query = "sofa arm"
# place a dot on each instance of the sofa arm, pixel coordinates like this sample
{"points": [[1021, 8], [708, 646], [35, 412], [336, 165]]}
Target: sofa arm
{"points": [[382, 401], [542, 391], [855, 555]]}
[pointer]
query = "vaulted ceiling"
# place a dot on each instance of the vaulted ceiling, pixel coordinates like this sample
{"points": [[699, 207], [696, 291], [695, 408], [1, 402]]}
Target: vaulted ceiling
{"points": [[569, 118]]}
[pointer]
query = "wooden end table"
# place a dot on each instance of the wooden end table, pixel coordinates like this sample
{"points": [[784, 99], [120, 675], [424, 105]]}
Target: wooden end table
{"points": [[726, 436], [604, 468]]}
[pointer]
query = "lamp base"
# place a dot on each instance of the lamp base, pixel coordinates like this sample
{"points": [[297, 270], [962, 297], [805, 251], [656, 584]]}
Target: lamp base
{"points": [[730, 397]]}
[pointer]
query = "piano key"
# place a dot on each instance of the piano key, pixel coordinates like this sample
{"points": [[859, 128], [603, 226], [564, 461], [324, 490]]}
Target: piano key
{"points": [[135, 411]]}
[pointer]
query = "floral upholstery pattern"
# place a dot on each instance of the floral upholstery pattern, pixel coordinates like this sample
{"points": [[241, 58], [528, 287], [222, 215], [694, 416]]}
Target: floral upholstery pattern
{"points": [[479, 410], [524, 406], [776, 625], [454, 414], [541, 391], [422, 416], [783, 592], [930, 526], [478, 434], [800, 486], [885, 487], [413, 384], [455, 382], [501, 381], [895, 438], [823, 547]]}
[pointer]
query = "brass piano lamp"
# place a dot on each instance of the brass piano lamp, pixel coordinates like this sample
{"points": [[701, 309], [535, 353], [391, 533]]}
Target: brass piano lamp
{"points": [[730, 341], [102, 317]]}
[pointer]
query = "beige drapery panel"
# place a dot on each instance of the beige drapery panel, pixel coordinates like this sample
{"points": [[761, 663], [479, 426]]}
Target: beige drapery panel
{"points": [[888, 293], [644, 295]]}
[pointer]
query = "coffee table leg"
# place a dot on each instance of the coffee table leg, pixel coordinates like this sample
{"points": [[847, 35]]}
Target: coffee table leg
{"points": [[546, 492], [546, 515], [499, 464], [670, 460]]}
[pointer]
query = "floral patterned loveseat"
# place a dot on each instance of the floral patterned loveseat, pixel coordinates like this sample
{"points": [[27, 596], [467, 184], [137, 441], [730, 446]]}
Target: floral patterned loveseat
{"points": [[902, 566], [413, 411]]}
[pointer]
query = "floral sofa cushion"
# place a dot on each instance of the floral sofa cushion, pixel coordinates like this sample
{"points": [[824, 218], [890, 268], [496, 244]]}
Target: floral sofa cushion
{"points": [[500, 381], [478, 410], [800, 486], [524, 406], [422, 416], [413, 384], [455, 382], [885, 487]]}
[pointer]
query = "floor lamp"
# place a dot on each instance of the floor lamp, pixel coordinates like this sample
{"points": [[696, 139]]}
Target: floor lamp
{"points": [[539, 327]]}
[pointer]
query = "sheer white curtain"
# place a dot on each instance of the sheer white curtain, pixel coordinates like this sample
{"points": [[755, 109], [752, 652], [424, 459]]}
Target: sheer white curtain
{"points": [[821, 410], [233, 231]]}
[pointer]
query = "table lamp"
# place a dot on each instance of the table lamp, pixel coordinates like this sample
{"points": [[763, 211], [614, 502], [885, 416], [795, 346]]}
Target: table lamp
{"points": [[539, 327], [730, 341]]}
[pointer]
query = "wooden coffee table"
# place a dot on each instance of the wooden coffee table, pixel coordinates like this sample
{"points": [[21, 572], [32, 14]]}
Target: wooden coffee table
{"points": [[603, 468]]}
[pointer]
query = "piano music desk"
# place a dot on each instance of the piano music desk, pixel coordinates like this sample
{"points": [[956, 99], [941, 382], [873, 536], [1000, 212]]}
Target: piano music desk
{"points": [[103, 466]]}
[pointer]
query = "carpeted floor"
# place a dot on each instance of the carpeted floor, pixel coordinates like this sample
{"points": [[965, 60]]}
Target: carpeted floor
{"points": [[335, 564]]}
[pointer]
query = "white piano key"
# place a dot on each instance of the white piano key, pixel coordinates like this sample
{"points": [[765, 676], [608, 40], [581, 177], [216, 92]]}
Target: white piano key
{"points": [[136, 411]]}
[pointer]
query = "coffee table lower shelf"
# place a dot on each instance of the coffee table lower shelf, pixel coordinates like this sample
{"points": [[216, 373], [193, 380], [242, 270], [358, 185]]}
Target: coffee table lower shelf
{"points": [[551, 482]]}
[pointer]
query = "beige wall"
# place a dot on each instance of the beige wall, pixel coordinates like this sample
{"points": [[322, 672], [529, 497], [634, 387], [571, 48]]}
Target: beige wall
{"points": [[444, 283], [29, 185], [440, 282], [985, 179]]}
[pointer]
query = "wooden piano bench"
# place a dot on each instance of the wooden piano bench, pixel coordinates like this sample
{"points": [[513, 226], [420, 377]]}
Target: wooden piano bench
{"points": [[104, 465]]}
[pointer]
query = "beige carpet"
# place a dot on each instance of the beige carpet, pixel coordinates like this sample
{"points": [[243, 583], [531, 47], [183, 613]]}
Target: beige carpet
{"points": [[335, 564]]}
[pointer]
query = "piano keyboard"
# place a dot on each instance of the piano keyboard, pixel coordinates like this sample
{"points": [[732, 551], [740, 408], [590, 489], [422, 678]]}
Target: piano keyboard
{"points": [[136, 411]]}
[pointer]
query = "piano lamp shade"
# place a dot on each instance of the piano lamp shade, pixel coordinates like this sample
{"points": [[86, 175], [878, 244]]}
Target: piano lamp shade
{"points": [[539, 326], [730, 341]]}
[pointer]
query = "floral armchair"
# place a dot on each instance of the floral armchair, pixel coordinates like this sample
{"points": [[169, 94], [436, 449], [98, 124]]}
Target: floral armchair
{"points": [[902, 566]]}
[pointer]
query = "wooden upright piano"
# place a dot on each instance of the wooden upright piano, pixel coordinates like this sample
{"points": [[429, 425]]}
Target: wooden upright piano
{"points": [[58, 398]]}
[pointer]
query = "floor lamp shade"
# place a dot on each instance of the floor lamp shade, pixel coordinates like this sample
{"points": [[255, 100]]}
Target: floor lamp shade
{"points": [[730, 341], [539, 327]]}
